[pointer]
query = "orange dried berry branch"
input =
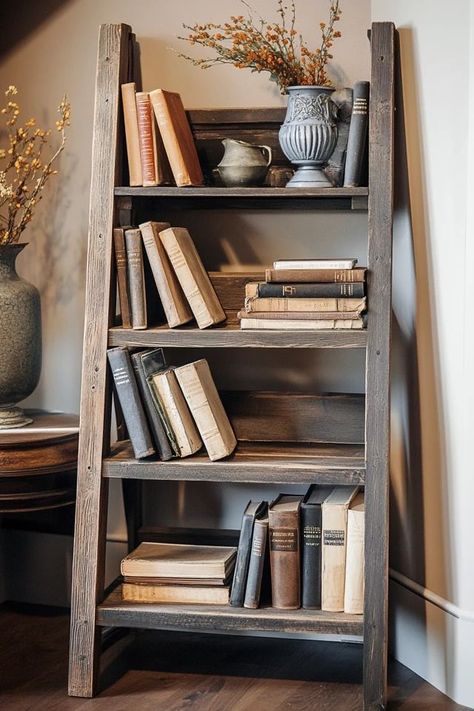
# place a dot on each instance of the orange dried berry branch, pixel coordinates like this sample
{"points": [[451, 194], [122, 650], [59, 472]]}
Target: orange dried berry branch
{"points": [[261, 46], [24, 170]]}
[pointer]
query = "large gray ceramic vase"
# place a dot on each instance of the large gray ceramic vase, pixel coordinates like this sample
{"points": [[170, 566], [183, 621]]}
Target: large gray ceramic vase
{"points": [[20, 339], [309, 134]]}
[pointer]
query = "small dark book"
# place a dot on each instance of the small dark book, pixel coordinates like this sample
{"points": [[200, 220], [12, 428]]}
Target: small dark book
{"points": [[152, 365], [358, 132], [136, 278], [311, 522], [284, 529], [310, 291], [258, 559], [253, 511], [128, 394], [122, 277], [152, 360]]}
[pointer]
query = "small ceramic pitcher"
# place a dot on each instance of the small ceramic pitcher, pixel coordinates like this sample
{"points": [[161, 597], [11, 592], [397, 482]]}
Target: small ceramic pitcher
{"points": [[244, 164]]}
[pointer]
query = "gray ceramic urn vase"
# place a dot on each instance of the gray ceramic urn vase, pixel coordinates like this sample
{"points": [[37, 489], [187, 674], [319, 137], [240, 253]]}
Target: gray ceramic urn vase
{"points": [[309, 134], [20, 339]]}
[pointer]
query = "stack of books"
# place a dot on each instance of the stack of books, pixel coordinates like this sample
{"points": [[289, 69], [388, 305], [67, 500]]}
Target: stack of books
{"points": [[309, 550], [182, 282], [177, 573], [170, 411], [160, 145], [307, 294]]}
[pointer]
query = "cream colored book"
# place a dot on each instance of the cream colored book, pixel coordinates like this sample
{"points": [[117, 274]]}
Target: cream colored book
{"points": [[174, 302], [178, 560], [301, 304], [192, 276], [334, 540], [176, 411], [131, 134], [354, 583], [177, 594], [249, 324], [206, 407]]}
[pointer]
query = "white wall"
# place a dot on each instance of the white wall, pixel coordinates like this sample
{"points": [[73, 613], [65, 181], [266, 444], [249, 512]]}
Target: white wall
{"points": [[432, 485]]}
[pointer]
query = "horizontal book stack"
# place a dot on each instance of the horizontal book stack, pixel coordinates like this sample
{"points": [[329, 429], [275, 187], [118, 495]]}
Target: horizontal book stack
{"points": [[310, 294], [160, 144], [161, 276], [303, 551], [177, 573], [170, 411]]}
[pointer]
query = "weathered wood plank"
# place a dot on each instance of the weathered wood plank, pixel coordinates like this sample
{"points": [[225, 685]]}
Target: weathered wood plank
{"points": [[252, 462], [208, 618], [378, 364], [230, 336], [89, 547]]}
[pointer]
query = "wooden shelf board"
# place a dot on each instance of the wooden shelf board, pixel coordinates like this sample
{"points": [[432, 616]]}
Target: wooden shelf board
{"points": [[252, 462], [231, 336], [114, 612], [264, 193]]}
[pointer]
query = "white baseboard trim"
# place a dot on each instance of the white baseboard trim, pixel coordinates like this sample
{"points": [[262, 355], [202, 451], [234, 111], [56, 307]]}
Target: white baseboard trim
{"points": [[432, 597]]}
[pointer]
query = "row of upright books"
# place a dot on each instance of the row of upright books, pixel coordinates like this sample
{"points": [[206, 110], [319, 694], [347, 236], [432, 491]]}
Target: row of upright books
{"points": [[183, 290], [303, 551], [307, 294], [170, 411], [296, 552]]}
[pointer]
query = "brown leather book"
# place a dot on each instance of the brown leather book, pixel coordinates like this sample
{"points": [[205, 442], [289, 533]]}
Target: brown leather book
{"points": [[122, 276], [315, 276], [136, 278], [147, 139], [192, 276], [284, 528], [177, 137], [174, 302], [131, 134]]}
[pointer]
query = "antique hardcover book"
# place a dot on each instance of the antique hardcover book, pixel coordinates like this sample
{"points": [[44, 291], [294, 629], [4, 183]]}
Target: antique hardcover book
{"points": [[315, 263], [176, 580], [334, 171], [304, 291], [174, 302], [304, 315], [173, 560], [136, 278], [145, 364], [122, 277], [175, 410], [206, 407], [358, 133], [131, 134], [311, 524], [258, 557], [284, 536], [179, 594], [354, 583], [177, 137], [254, 510], [335, 509], [192, 276], [311, 276], [147, 139], [249, 324], [255, 304], [129, 397]]}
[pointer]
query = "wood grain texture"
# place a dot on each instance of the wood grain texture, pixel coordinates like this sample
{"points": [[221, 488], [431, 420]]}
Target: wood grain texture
{"points": [[252, 462], [230, 336], [378, 364], [89, 548], [115, 612]]}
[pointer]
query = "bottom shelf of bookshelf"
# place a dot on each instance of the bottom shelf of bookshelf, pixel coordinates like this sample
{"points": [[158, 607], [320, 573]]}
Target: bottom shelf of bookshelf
{"points": [[115, 612]]}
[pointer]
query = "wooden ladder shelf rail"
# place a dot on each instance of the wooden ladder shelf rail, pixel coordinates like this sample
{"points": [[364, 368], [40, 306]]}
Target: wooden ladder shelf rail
{"points": [[91, 609]]}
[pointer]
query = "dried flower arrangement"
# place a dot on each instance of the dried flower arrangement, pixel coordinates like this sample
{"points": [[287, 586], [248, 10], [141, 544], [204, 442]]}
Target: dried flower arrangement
{"points": [[24, 170], [276, 48]]}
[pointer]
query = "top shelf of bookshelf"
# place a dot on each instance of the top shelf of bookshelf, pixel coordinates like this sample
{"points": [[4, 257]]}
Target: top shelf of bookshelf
{"points": [[285, 198]]}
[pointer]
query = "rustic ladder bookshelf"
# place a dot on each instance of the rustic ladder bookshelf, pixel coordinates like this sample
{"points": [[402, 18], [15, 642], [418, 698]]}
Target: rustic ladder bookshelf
{"points": [[93, 608]]}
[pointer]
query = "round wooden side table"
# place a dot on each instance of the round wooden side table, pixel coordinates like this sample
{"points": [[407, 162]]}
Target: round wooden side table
{"points": [[38, 463]]}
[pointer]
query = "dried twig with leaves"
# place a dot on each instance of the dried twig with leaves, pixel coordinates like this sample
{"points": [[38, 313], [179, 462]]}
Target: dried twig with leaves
{"points": [[24, 169]]}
